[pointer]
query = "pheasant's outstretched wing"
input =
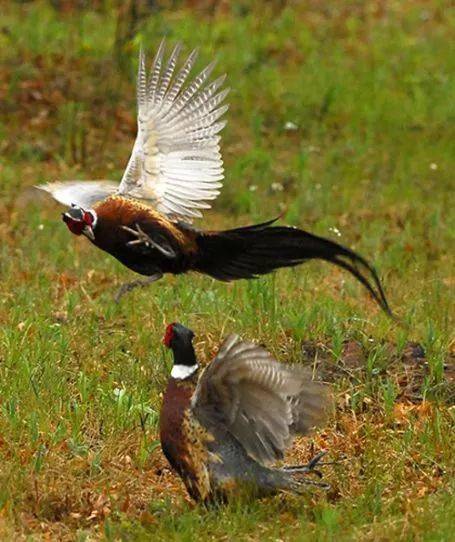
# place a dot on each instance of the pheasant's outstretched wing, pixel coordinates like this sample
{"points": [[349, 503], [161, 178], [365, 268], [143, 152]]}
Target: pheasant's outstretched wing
{"points": [[176, 161], [81, 193], [261, 402]]}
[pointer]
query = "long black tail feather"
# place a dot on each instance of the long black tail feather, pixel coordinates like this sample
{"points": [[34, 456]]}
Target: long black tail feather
{"points": [[255, 250]]}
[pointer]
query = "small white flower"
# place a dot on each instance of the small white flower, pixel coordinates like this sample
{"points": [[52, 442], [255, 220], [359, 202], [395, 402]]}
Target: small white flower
{"points": [[335, 230], [41, 227], [119, 392], [252, 188], [277, 187], [433, 166], [291, 126]]}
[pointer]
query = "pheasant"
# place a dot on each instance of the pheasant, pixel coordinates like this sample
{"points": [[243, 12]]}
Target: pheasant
{"points": [[222, 429], [174, 171]]}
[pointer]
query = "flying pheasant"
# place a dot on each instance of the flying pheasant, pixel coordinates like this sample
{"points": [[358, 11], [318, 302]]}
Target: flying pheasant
{"points": [[174, 170], [222, 429]]}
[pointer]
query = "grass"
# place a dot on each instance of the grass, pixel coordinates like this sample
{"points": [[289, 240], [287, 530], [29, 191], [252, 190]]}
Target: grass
{"points": [[367, 87]]}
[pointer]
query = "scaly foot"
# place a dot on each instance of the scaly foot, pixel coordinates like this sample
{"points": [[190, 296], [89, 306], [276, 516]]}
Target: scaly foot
{"points": [[127, 287], [142, 238]]}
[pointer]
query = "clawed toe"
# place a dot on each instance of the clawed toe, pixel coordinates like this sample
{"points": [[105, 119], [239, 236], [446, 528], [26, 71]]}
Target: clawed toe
{"points": [[316, 460], [310, 466], [141, 238], [321, 485]]}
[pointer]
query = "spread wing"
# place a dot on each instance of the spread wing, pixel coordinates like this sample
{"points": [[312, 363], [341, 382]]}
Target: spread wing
{"points": [[261, 402], [176, 161], [82, 193]]}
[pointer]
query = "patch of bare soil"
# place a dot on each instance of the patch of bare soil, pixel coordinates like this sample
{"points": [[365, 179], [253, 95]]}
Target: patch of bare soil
{"points": [[407, 367]]}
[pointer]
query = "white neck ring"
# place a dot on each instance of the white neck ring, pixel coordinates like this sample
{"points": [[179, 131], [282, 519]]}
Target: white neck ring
{"points": [[95, 218], [180, 372]]}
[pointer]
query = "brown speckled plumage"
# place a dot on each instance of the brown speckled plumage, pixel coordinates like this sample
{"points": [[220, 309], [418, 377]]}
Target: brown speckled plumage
{"points": [[218, 432], [183, 439]]}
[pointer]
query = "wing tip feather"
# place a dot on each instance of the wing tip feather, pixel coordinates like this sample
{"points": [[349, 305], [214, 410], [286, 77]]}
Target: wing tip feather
{"points": [[205, 139]]}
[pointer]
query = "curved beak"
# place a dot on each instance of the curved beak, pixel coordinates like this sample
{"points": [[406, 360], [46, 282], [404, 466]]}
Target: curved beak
{"points": [[88, 232]]}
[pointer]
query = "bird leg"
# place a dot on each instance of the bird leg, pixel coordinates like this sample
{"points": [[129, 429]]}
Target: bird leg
{"points": [[322, 485], [310, 466], [142, 238], [127, 287]]}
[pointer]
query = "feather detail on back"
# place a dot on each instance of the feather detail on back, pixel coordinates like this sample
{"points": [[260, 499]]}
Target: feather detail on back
{"points": [[176, 161], [261, 402]]}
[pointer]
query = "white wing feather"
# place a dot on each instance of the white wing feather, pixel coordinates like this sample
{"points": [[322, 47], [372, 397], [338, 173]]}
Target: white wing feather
{"points": [[82, 193], [176, 161]]}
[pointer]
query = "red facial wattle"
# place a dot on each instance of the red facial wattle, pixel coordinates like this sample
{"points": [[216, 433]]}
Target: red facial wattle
{"points": [[75, 226], [168, 336], [88, 218]]}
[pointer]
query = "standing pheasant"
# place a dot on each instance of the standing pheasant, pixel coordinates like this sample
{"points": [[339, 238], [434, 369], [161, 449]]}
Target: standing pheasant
{"points": [[220, 430], [175, 169]]}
